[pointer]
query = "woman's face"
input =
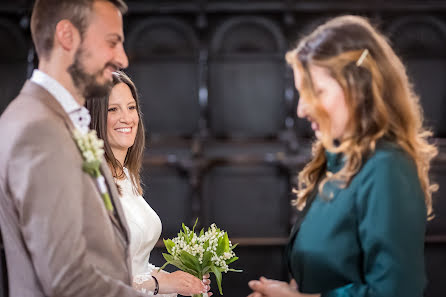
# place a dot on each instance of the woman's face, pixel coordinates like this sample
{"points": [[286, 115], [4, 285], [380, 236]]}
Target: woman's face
{"points": [[331, 97], [122, 118]]}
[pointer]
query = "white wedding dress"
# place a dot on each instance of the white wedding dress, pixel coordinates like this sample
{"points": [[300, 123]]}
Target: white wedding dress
{"points": [[145, 230]]}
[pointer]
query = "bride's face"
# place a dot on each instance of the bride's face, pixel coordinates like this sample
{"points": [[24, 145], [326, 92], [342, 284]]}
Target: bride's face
{"points": [[122, 118]]}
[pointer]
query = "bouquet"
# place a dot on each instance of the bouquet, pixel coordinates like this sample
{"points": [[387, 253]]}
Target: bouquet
{"points": [[208, 252]]}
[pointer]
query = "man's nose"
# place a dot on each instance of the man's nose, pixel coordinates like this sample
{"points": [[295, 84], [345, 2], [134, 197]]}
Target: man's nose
{"points": [[121, 57]]}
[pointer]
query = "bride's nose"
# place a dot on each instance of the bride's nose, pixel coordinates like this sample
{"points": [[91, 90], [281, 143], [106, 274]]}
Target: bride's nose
{"points": [[125, 117]]}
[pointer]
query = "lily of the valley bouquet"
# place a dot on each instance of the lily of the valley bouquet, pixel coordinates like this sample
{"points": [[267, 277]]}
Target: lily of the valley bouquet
{"points": [[208, 252]]}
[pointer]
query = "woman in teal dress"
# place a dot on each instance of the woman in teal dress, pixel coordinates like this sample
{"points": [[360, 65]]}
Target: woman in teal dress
{"points": [[365, 196]]}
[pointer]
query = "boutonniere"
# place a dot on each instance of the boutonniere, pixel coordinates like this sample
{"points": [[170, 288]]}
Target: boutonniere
{"points": [[92, 149]]}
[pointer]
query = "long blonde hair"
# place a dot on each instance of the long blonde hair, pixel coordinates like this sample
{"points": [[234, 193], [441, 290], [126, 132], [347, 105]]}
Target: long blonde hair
{"points": [[381, 102]]}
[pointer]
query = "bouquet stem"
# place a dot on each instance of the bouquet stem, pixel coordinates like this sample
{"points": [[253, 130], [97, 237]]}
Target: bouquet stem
{"points": [[200, 276]]}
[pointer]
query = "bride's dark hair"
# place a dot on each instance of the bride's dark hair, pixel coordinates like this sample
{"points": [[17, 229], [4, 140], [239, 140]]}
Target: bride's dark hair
{"points": [[98, 108]]}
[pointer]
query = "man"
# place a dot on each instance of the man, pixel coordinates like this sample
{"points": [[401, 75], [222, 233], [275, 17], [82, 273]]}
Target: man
{"points": [[60, 239]]}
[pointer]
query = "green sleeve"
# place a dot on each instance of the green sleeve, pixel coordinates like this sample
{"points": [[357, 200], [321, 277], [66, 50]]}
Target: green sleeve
{"points": [[391, 227]]}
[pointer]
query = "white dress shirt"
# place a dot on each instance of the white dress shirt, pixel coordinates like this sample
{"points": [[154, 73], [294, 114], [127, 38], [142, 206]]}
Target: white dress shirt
{"points": [[79, 115]]}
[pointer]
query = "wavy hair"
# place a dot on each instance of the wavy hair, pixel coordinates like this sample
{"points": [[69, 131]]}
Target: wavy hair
{"points": [[98, 108], [381, 101]]}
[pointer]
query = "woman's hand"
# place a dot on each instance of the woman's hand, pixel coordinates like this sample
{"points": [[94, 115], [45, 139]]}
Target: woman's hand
{"points": [[272, 288], [207, 282], [182, 283]]}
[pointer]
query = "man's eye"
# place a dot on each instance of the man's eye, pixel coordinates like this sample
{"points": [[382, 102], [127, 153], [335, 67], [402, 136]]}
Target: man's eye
{"points": [[112, 44]]}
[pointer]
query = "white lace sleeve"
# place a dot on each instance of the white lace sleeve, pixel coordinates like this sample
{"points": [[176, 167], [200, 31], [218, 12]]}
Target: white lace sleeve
{"points": [[140, 279]]}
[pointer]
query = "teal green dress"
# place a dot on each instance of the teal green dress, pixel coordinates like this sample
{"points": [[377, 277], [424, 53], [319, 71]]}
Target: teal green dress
{"points": [[368, 239]]}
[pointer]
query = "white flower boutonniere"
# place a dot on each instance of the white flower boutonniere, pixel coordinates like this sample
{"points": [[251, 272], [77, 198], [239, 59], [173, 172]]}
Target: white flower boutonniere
{"points": [[92, 149]]}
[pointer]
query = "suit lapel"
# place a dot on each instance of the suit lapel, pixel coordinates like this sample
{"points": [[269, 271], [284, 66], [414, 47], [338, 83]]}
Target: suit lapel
{"points": [[117, 217], [35, 91]]}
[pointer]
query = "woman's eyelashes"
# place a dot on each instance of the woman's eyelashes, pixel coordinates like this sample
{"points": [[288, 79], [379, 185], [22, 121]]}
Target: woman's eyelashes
{"points": [[112, 109]]}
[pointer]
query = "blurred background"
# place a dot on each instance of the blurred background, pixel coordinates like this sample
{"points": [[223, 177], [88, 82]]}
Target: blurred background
{"points": [[224, 143]]}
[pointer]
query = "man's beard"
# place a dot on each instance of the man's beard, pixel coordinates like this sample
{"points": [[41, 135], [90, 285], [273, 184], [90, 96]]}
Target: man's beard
{"points": [[86, 83]]}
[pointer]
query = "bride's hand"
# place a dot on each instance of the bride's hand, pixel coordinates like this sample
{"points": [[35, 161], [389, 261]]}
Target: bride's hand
{"points": [[207, 282], [182, 283]]}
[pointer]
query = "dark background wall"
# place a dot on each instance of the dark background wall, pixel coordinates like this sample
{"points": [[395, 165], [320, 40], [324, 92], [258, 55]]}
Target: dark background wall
{"points": [[219, 105]]}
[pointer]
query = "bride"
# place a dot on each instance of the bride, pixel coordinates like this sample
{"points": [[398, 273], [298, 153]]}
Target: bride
{"points": [[118, 122]]}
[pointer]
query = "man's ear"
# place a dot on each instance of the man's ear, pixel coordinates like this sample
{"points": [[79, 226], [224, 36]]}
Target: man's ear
{"points": [[67, 35]]}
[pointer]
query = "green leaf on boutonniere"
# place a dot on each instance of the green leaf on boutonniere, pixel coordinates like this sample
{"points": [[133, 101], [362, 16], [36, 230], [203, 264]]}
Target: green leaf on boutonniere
{"points": [[92, 151], [92, 168]]}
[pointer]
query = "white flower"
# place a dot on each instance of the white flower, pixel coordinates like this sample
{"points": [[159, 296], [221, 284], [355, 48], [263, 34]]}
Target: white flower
{"points": [[195, 246], [91, 147]]}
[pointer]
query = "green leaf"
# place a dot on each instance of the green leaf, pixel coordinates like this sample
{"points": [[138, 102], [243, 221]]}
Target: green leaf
{"points": [[217, 273], [184, 228], [220, 246], [164, 266], [206, 244], [233, 259], [234, 246], [177, 263], [97, 172], [169, 245], [206, 259], [205, 269], [185, 269], [169, 258], [190, 261], [91, 168], [88, 169], [193, 228], [226, 242]]}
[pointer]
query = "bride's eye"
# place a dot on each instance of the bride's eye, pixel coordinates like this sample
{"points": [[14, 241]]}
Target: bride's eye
{"points": [[112, 109]]}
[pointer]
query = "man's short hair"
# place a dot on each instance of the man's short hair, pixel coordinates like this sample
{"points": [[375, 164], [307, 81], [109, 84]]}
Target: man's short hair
{"points": [[47, 13]]}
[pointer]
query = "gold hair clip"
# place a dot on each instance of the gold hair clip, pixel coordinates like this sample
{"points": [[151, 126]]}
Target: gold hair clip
{"points": [[362, 57]]}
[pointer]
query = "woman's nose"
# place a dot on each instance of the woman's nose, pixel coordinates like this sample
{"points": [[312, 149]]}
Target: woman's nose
{"points": [[301, 108], [125, 117]]}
